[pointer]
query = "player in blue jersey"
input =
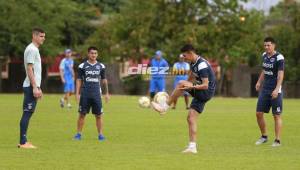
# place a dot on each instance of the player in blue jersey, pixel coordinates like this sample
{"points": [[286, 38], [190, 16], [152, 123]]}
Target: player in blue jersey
{"points": [[181, 70], [201, 84], [270, 93], [90, 74], [157, 81], [67, 77]]}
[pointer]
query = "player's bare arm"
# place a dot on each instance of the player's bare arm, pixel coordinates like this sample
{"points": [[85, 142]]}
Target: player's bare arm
{"points": [[72, 71], [259, 81], [105, 84], [61, 72], [188, 85], [203, 86], [278, 85], [73, 74], [78, 87], [191, 76], [37, 92]]}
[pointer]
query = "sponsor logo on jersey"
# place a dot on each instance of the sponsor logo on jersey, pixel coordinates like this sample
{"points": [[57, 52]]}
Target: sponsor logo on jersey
{"points": [[272, 60], [266, 65], [268, 73], [92, 72], [89, 79]]}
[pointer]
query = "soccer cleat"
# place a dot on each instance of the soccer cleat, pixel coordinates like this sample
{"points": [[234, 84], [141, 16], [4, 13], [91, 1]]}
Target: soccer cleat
{"points": [[261, 140], [77, 136], [69, 105], [27, 145], [190, 150], [276, 143], [62, 103], [101, 138], [159, 108]]}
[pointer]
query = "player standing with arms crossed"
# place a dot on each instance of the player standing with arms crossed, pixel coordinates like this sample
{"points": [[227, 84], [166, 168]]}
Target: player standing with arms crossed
{"points": [[90, 74], [270, 93], [32, 84]]}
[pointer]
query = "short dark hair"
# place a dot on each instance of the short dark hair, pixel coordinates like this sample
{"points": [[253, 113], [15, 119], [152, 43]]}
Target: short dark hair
{"points": [[187, 47], [270, 39], [37, 30], [92, 48]]}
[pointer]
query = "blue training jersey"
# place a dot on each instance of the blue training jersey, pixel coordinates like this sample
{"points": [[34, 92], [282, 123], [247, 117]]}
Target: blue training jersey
{"points": [[202, 69], [161, 65], [91, 74], [271, 65], [181, 68], [66, 65]]}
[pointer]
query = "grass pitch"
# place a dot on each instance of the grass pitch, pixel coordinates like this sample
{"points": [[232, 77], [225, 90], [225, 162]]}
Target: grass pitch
{"points": [[140, 139]]}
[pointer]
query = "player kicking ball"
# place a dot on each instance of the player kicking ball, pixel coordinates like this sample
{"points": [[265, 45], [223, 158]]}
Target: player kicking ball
{"points": [[90, 74], [201, 85]]}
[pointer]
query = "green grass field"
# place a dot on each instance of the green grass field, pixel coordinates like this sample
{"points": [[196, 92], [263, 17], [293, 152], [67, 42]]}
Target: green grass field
{"points": [[141, 139]]}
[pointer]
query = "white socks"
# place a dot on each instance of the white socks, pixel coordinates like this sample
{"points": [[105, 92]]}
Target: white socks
{"points": [[192, 145]]}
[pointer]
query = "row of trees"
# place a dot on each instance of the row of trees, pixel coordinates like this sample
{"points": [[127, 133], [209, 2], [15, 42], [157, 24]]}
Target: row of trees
{"points": [[284, 22], [66, 24], [133, 28]]}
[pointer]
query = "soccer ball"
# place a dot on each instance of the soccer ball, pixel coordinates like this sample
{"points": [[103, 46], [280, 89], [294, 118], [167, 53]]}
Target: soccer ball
{"points": [[161, 97], [144, 102]]}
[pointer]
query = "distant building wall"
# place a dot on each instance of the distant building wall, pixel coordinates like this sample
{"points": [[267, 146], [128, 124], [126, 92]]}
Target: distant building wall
{"points": [[244, 80]]}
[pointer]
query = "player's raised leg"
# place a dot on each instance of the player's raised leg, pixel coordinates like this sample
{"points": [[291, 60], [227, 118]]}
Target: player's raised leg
{"points": [[177, 92], [186, 100]]}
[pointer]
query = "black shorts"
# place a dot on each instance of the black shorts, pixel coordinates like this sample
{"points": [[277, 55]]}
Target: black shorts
{"points": [[200, 97], [29, 101], [90, 101], [265, 102]]}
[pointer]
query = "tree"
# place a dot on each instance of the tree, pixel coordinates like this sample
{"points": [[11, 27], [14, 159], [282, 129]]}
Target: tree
{"points": [[65, 22], [104, 6], [284, 26], [214, 27]]}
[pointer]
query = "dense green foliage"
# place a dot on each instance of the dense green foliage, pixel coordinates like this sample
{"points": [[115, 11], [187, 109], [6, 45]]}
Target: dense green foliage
{"points": [[285, 22], [65, 22], [214, 28], [135, 28]]}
